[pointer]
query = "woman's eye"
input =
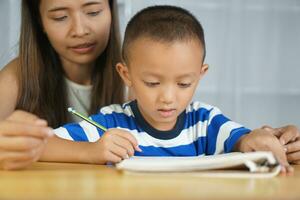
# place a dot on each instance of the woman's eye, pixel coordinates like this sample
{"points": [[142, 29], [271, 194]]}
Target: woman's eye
{"points": [[62, 18], [94, 13], [151, 84], [184, 85]]}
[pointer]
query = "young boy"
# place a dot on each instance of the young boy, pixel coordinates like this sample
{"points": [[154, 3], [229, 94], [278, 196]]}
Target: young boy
{"points": [[163, 52]]}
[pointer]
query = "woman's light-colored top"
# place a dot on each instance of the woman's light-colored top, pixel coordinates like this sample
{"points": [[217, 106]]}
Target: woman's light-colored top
{"points": [[79, 97]]}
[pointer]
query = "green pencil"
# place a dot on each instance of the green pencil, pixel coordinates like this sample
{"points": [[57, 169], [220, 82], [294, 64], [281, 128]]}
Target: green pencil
{"points": [[73, 111]]}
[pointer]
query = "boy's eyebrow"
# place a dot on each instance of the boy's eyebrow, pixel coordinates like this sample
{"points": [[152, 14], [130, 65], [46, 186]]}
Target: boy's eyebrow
{"points": [[186, 75], [192, 74], [84, 5], [150, 74]]}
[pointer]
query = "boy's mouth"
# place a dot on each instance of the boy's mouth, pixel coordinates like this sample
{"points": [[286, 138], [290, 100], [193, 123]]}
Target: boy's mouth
{"points": [[166, 112]]}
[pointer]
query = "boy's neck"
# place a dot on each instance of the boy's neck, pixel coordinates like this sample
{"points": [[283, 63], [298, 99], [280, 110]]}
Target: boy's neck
{"points": [[153, 131]]}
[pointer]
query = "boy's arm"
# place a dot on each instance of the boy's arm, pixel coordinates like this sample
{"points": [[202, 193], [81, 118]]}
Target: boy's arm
{"points": [[62, 150], [222, 133], [262, 140], [114, 146]]}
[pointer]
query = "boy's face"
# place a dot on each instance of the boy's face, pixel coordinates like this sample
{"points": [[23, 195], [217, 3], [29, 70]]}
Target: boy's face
{"points": [[163, 77]]}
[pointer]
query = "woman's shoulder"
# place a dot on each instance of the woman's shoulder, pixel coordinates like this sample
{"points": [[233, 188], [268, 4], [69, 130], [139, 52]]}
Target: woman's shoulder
{"points": [[8, 76], [8, 88], [9, 71]]}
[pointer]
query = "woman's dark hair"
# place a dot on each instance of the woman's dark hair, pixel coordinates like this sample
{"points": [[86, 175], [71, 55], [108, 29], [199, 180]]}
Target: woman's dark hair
{"points": [[42, 88]]}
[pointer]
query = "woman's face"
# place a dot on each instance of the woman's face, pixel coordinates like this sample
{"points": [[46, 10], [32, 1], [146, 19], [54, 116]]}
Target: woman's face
{"points": [[77, 29]]}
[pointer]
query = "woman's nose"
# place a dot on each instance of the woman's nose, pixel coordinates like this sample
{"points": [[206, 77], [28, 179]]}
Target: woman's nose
{"points": [[79, 27]]}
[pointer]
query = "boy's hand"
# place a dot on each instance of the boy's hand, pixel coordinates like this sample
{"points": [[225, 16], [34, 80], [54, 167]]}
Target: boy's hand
{"points": [[262, 140], [23, 138], [114, 146], [289, 136]]}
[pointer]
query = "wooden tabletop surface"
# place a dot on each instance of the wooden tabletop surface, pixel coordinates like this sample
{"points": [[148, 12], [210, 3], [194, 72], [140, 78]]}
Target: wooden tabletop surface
{"points": [[81, 181]]}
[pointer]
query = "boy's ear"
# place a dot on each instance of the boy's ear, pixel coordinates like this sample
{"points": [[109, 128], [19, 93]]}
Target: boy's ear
{"points": [[123, 71], [204, 69]]}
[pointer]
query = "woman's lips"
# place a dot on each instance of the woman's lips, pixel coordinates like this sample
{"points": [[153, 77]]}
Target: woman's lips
{"points": [[84, 48]]}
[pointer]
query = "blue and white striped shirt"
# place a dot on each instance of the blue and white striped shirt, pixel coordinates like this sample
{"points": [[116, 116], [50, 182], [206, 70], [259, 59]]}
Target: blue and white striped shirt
{"points": [[200, 130]]}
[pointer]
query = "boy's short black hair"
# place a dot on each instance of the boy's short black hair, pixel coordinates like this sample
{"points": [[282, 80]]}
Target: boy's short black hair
{"points": [[163, 23]]}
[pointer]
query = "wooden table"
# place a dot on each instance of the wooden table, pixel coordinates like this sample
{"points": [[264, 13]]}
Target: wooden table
{"points": [[80, 181]]}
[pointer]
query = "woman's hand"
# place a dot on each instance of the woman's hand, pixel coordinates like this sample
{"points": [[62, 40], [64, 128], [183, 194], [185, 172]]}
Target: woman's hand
{"points": [[22, 139], [262, 140], [289, 137]]}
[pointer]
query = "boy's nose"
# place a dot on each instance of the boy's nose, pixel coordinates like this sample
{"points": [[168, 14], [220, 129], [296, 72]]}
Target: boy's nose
{"points": [[167, 96], [79, 27]]}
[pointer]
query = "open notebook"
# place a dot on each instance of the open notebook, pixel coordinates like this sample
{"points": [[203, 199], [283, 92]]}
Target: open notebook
{"points": [[252, 164]]}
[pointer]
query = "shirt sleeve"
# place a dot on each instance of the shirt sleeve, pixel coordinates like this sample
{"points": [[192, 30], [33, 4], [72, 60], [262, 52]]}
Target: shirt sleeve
{"points": [[222, 133], [82, 131]]}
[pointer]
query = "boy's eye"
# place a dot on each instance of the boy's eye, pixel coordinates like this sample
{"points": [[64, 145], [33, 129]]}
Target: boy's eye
{"points": [[95, 13], [151, 84], [62, 18], [184, 85]]}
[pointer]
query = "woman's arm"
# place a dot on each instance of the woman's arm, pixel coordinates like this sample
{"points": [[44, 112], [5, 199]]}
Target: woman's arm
{"points": [[22, 135], [8, 89]]}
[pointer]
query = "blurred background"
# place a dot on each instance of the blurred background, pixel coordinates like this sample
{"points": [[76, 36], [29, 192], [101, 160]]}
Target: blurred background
{"points": [[253, 49]]}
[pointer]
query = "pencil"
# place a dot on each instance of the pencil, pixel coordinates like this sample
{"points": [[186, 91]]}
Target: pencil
{"points": [[73, 111]]}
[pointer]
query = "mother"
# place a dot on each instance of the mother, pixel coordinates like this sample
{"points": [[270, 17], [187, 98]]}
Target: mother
{"points": [[67, 54]]}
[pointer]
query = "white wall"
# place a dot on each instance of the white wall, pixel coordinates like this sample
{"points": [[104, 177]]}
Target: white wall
{"points": [[253, 48], [9, 30]]}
